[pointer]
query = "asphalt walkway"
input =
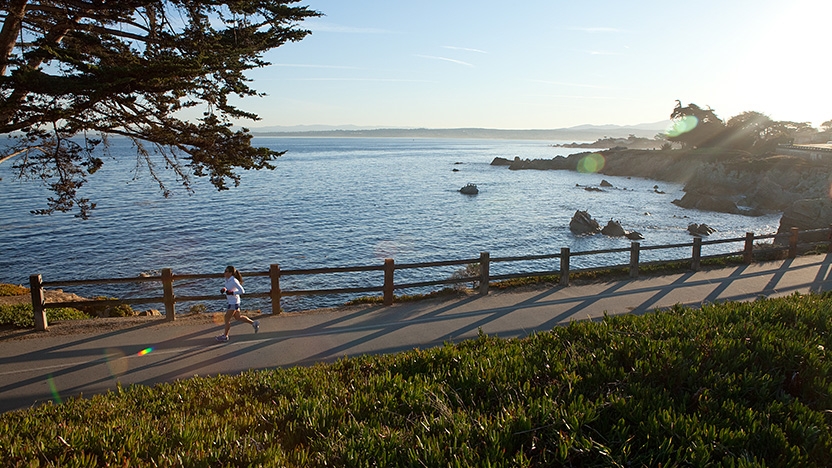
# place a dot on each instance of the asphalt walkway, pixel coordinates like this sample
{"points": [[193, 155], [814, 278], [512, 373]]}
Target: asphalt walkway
{"points": [[52, 368]]}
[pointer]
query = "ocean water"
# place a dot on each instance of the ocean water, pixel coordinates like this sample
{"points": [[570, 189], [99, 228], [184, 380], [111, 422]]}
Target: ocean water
{"points": [[340, 202]]}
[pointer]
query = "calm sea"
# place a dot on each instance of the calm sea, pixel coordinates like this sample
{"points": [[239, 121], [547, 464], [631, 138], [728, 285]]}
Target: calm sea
{"points": [[338, 202]]}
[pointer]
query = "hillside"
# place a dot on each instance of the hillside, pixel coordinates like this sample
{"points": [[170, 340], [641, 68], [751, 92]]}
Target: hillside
{"points": [[581, 133]]}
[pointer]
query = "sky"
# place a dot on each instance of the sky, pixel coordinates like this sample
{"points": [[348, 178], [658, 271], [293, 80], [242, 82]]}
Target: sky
{"points": [[543, 64]]}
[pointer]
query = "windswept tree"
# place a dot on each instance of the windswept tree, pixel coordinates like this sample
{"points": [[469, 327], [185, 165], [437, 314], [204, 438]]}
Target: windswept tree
{"points": [[694, 127], [825, 132], [73, 72], [757, 133]]}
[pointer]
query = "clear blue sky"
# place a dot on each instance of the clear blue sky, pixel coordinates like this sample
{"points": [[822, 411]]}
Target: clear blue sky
{"points": [[548, 63]]}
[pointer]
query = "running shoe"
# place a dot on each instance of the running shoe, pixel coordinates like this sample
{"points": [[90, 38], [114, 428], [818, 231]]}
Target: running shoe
{"points": [[222, 338], [256, 325]]}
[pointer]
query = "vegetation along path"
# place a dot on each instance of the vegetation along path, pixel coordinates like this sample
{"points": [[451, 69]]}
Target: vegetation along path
{"points": [[42, 367], [737, 383]]}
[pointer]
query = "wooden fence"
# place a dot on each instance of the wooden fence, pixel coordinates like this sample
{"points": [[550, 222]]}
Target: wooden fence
{"points": [[387, 289]]}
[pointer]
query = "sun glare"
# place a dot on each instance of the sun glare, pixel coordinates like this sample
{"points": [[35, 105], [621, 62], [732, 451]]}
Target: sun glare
{"points": [[787, 66]]}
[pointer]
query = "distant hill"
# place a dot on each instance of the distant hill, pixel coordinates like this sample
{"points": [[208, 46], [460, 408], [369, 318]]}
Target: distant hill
{"points": [[579, 133]]}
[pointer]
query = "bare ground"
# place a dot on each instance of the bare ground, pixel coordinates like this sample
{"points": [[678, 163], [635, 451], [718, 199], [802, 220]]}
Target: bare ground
{"points": [[95, 325], [109, 324]]}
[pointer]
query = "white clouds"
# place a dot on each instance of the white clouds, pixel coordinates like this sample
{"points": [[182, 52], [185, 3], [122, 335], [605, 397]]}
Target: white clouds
{"points": [[305, 65], [465, 49], [386, 80], [446, 59], [316, 26]]}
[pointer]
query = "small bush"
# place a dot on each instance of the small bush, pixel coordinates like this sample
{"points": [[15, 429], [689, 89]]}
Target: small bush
{"points": [[22, 315], [119, 310], [12, 290], [197, 309]]}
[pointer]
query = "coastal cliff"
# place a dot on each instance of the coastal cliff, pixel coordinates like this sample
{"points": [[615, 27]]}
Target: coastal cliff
{"points": [[714, 180]]}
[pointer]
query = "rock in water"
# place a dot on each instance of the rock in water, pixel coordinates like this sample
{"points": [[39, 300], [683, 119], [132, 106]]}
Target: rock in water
{"points": [[613, 229], [700, 229], [582, 223]]}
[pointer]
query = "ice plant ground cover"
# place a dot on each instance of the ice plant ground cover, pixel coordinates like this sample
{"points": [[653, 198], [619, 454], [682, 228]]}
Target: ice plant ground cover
{"points": [[732, 384]]}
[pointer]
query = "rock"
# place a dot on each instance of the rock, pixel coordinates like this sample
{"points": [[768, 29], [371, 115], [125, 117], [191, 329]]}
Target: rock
{"points": [[613, 229], [592, 189], [634, 235], [469, 189], [604, 183], [700, 229], [150, 313], [501, 162], [807, 215], [583, 224], [695, 200]]}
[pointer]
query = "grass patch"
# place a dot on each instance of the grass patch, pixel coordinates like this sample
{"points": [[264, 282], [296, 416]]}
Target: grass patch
{"points": [[734, 384], [22, 315], [12, 290]]}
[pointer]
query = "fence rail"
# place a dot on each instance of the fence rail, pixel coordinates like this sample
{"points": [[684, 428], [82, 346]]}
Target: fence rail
{"points": [[388, 288]]}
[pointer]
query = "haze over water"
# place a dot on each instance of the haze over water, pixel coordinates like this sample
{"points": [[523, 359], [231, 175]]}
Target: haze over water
{"points": [[340, 202]]}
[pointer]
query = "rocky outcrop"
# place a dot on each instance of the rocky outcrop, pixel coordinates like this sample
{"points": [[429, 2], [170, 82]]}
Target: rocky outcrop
{"points": [[715, 180], [807, 215], [756, 185], [698, 201], [583, 224], [700, 229], [469, 189], [614, 229], [501, 162]]}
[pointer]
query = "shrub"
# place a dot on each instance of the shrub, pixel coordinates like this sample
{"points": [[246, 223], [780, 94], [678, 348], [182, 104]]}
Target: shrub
{"points": [[119, 310], [12, 290], [22, 315]]}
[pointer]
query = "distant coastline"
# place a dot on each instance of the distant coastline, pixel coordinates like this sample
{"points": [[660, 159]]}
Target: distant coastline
{"points": [[584, 133]]}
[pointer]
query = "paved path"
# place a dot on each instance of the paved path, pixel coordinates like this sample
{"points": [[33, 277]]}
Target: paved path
{"points": [[52, 368]]}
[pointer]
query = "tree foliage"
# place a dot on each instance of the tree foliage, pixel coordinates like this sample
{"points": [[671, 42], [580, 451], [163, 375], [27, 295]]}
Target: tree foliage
{"points": [[73, 72], [695, 127], [749, 131]]}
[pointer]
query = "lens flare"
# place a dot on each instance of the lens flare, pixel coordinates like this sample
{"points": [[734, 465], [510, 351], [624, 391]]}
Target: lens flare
{"points": [[116, 362], [56, 397], [591, 163], [683, 125]]}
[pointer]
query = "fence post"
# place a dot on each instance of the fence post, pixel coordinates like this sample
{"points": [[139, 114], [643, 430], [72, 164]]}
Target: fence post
{"points": [[485, 265], [36, 290], [829, 240], [170, 301], [274, 276], [748, 252], [634, 252], [795, 232], [389, 267], [696, 255], [564, 266]]}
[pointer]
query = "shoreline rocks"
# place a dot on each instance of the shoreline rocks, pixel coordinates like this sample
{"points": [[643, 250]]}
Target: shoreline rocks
{"points": [[582, 224], [723, 181]]}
